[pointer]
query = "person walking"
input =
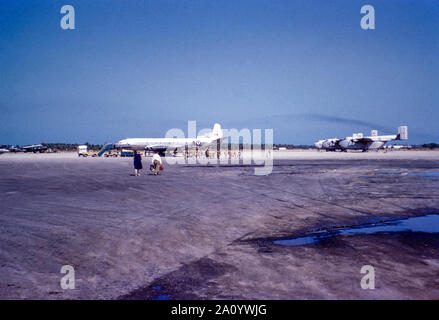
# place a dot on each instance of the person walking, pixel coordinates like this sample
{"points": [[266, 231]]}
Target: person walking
{"points": [[137, 163]]}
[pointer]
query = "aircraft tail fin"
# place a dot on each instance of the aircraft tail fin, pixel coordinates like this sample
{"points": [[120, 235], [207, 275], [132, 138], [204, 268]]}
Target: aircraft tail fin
{"points": [[217, 132], [403, 133]]}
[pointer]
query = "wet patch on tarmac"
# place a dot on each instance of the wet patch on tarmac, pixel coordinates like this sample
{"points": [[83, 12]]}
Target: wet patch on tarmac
{"points": [[183, 282], [423, 224], [417, 173], [431, 175], [289, 170]]}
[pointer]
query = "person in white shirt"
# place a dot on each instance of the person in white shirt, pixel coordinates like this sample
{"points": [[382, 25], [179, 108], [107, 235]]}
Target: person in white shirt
{"points": [[156, 163]]}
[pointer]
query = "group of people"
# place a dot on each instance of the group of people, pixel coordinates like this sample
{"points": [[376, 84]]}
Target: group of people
{"points": [[213, 154], [155, 167]]}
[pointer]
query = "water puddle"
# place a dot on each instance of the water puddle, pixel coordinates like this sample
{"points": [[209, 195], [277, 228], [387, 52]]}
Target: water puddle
{"points": [[432, 174], [287, 173], [428, 174], [425, 224], [160, 296]]}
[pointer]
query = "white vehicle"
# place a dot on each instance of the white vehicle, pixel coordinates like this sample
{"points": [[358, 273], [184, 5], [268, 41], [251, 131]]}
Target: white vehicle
{"points": [[82, 151], [162, 144], [360, 142], [4, 150]]}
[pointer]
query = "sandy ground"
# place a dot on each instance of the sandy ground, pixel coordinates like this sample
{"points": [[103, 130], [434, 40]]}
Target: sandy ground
{"points": [[205, 232]]}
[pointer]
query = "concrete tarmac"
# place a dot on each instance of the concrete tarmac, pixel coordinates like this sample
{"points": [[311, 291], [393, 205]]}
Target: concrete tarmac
{"points": [[207, 232]]}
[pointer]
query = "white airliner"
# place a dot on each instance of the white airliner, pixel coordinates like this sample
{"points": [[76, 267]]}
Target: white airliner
{"points": [[162, 144], [360, 142]]}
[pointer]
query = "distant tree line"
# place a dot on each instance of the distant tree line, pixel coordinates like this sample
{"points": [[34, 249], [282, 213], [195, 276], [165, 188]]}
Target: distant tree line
{"points": [[275, 146], [74, 146], [71, 146], [430, 145], [293, 146]]}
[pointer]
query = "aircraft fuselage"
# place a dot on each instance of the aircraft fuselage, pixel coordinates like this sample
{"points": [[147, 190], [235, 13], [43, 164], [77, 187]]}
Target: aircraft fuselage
{"points": [[358, 142]]}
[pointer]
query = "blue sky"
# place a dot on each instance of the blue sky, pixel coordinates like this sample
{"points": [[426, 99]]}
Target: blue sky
{"points": [[138, 68]]}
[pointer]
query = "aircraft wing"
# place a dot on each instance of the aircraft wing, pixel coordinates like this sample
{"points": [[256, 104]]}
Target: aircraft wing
{"points": [[363, 140], [158, 148]]}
